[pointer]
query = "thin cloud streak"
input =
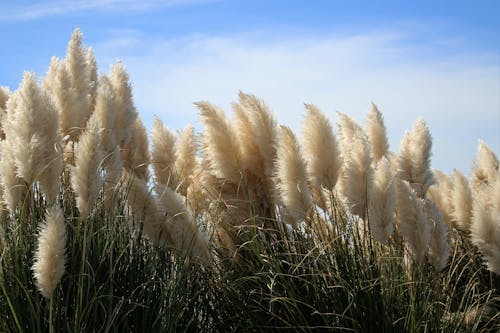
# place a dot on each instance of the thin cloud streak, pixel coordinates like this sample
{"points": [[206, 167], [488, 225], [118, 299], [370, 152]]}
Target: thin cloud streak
{"points": [[13, 13]]}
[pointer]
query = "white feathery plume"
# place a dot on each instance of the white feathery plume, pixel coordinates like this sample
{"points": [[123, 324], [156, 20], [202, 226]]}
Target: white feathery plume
{"points": [[180, 224], [261, 133], [78, 70], [135, 154], [33, 142], [13, 187], [291, 177], [94, 77], [412, 221], [185, 162], [321, 150], [264, 128], [355, 179], [377, 134], [382, 201], [461, 198], [440, 194], [163, 154], [105, 113], [415, 158], [485, 226], [124, 109], [86, 177], [220, 143], [49, 262], [486, 168], [145, 210], [439, 249]]}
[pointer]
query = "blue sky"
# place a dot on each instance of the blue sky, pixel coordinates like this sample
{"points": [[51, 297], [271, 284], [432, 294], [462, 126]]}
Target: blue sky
{"points": [[435, 59]]}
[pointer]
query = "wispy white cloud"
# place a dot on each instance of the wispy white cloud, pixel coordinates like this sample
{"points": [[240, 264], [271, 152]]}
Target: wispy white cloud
{"points": [[457, 95], [14, 11]]}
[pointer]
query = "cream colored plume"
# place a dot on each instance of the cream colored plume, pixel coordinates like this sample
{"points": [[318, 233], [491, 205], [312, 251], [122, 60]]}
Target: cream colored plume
{"points": [[49, 261], [163, 154], [262, 133], [321, 150], [145, 211], [439, 249], [377, 134], [105, 112], [486, 168], [440, 194], [181, 226], [220, 143], [86, 176], [382, 201], [461, 199], [412, 221], [123, 107], [356, 175], [185, 162], [135, 154], [13, 187], [291, 177], [35, 144], [415, 158], [94, 77], [485, 226], [70, 84]]}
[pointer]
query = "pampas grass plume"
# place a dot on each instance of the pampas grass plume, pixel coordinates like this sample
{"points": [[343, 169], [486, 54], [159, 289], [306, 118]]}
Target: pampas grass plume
{"points": [[181, 225], [415, 158], [320, 149], [356, 172], [485, 226], [439, 249], [377, 134], [86, 177], [486, 168], [382, 200], [291, 176], [123, 104], [461, 199], [49, 261], [412, 221], [163, 154], [185, 162], [220, 143]]}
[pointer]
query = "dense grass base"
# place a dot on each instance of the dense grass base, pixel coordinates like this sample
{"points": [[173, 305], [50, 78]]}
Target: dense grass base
{"points": [[304, 280]]}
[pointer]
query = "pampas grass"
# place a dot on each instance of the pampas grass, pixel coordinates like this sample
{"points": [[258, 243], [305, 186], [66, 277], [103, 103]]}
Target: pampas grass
{"points": [[356, 175], [48, 266], [86, 176], [163, 154], [220, 143], [135, 154], [125, 113], [382, 200], [34, 144], [226, 237], [291, 177], [415, 158], [377, 134], [412, 221], [461, 199], [320, 149], [185, 162]]}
